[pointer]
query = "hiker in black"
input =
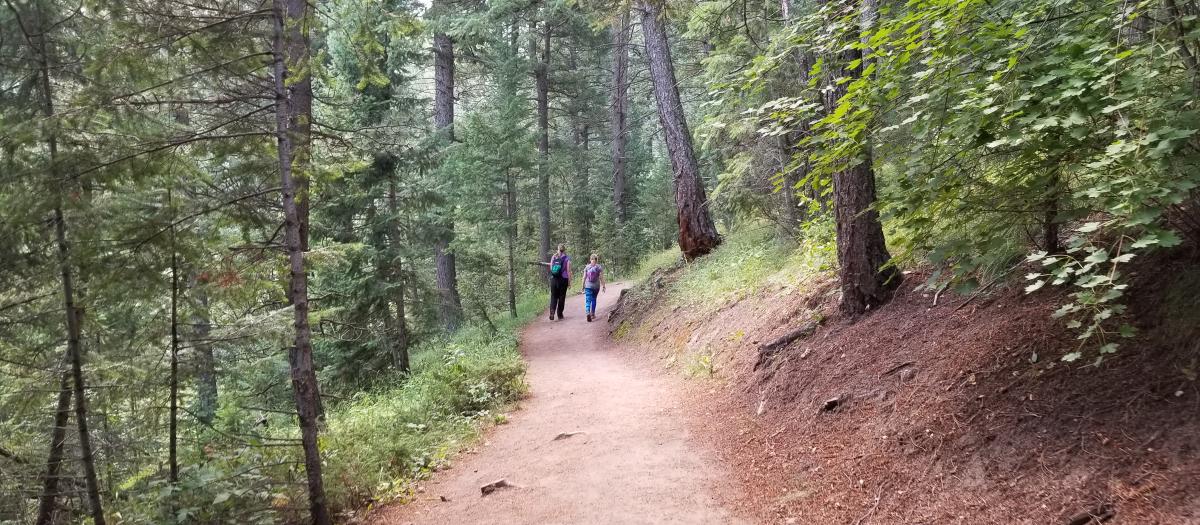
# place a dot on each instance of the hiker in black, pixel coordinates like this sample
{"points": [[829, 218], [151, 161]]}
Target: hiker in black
{"points": [[560, 280]]}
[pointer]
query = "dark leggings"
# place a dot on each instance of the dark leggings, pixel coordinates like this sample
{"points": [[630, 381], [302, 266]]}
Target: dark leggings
{"points": [[558, 295]]}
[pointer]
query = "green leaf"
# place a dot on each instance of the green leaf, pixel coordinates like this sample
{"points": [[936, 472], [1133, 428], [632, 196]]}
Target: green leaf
{"points": [[1146, 240], [1168, 239], [1088, 227], [1098, 256], [221, 498], [1072, 357], [1035, 286]]}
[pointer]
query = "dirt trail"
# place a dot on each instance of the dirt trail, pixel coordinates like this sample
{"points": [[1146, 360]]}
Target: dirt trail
{"points": [[633, 460]]}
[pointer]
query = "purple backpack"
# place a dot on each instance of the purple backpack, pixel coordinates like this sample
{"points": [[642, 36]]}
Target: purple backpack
{"points": [[592, 273]]}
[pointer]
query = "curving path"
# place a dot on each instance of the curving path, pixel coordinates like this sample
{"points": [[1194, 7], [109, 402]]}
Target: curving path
{"points": [[632, 460]]}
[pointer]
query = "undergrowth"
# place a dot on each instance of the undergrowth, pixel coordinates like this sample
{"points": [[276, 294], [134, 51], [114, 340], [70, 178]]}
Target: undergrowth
{"points": [[381, 441], [751, 260], [375, 444]]}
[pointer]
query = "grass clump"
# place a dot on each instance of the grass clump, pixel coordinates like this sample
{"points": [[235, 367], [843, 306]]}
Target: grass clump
{"points": [[751, 260]]}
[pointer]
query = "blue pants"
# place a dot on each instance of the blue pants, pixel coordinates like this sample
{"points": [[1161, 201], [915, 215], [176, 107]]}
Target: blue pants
{"points": [[589, 299]]}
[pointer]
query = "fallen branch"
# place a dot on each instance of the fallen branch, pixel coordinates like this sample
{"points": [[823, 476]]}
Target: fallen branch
{"points": [[766, 353], [897, 368], [1099, 514]]}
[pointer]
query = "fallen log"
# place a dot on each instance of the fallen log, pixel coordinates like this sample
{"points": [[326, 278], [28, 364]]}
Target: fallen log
{"points": [[766, 352]]}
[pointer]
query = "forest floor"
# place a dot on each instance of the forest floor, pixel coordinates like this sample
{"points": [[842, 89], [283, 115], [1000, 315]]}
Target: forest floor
{"points": [[602, 437], [937, 410]]}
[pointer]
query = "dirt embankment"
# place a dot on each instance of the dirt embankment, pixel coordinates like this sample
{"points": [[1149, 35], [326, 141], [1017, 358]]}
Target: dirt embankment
{"points": [[956, 413]]}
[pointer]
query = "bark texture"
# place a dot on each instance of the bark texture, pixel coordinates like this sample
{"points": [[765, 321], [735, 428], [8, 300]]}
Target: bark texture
{"points": [[862, 252], [173, 424], [510, 216], [75, 351], [584, 214], [449, 301], [697, 233], [48, 501], [399, 330], [619, 116], [205, 361], [542, 86], [443, 82], [292, 54]]}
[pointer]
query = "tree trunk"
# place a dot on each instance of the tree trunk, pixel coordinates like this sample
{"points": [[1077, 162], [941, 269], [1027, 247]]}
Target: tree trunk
{"points": [[542, 84], [48, 501], [1050, 215], [862, 252], [173, 424], [447, 283], [206, 363], [54, 458], [791, 216], [619, 116], [296, 49], [582, 193], [75, 351], [697, 234], [450, 303], [510, 215], [39, 41], [292, 54], [443, 79], [399, 343]]}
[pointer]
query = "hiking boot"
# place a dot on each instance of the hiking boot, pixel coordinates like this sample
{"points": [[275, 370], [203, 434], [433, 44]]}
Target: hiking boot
{"points": [[551, 317], [589, 318]]}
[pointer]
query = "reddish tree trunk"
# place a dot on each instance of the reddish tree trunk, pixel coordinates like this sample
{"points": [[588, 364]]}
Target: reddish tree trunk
{"points": [[862, 251], [697, 234]]}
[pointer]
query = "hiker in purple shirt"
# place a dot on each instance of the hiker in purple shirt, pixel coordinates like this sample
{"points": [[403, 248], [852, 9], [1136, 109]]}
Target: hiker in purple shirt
{"points": [[593, 283], [560, 280]]}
